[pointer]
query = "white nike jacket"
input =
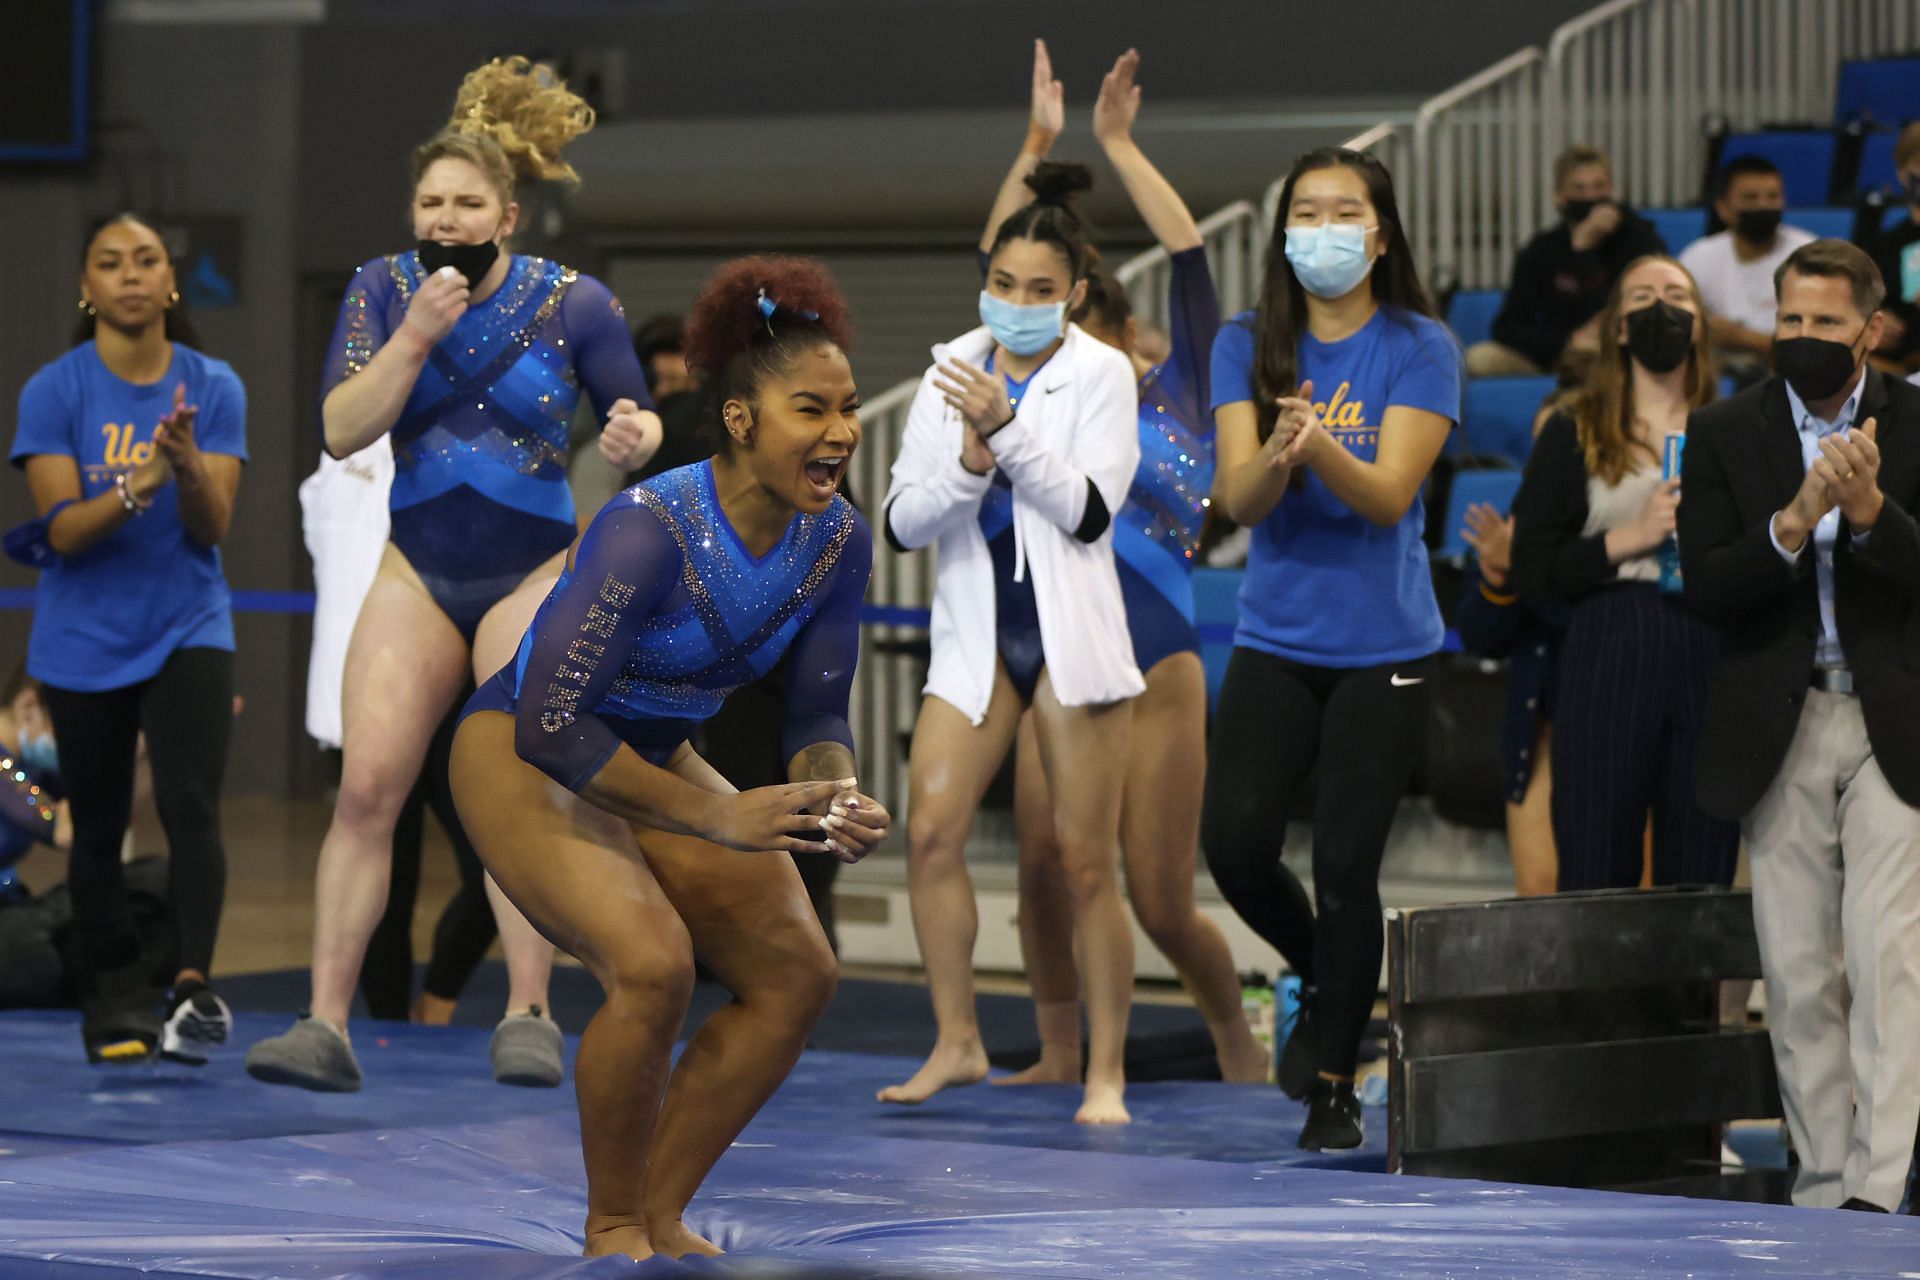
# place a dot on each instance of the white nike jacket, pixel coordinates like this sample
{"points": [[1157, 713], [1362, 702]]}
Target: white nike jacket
{"points": [[1077, 422]]}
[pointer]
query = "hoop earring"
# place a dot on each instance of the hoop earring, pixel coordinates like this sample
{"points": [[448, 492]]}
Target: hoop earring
{"points": [[87, 307]]}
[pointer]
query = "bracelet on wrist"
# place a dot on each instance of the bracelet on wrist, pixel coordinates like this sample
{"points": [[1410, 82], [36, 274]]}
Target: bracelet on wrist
{"points": [[134, 505]]}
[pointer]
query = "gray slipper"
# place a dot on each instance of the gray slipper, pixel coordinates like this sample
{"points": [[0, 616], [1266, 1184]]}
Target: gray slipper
{"points": [[526, 1050], [312, 1055]]}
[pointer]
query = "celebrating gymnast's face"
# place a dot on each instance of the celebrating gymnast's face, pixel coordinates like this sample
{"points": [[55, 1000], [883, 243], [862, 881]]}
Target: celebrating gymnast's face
{"points": [[128, 277], [1033, 273], [455, 203], [797, 433]]}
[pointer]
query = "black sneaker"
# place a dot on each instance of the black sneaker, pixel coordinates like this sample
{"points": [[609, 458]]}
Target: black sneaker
{"points": [[1857, 1205], [120, 1019], [1333, 1117], [1299, 1064], [197, 1020]]}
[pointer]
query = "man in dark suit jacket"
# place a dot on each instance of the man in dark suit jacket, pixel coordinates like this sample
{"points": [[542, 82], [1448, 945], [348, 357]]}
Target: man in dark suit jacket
{"points": [[1798, 540]]}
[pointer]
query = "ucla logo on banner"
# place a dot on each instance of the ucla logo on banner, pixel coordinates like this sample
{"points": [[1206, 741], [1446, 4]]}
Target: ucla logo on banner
{"points": [[121, 451]]}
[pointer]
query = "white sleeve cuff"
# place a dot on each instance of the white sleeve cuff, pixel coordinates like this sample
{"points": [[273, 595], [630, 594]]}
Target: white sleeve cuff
{"points": [[1791, 557]]}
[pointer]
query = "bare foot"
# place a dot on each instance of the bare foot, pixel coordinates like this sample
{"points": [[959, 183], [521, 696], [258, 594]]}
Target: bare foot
{"points": [[676, 1240], [1101, 1104], [945, 1067], [1053, 1068], [614, 1241], [432, 1011], [1242, 1058]]}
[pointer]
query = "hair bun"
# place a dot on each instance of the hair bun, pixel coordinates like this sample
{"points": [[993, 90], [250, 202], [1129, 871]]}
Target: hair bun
{"points": [[526, 108], [1055, 183]]}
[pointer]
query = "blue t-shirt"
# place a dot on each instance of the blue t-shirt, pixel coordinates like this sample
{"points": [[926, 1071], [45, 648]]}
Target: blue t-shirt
{"points": [[111, 616], [1324, 585]]}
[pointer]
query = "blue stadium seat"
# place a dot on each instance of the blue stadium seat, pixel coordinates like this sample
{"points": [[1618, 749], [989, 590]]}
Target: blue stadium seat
{"points": [[1678, 227], [1824, 224], [1216, 610], [1499, 415], [1495, 487], [1803, 156], [1887, 89], [1470, 314], [1895, 216], [1876, 163]]}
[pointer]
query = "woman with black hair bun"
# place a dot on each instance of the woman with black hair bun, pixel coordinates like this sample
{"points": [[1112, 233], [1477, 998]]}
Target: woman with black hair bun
{"points": [[132, 444], [1019, 446], [573, 773], [1155, 537], [1331, 404]]}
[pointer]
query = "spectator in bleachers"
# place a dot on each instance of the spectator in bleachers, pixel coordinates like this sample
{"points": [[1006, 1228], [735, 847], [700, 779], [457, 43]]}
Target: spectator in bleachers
{"points": [[1494, 622], [1734, 268], [1801, 547], [1562, 277], [1591, 523], [1896, 251]]}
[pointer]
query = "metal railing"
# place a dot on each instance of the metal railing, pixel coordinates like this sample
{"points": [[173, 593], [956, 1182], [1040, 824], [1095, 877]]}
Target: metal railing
{"points": [[1476, 192]]}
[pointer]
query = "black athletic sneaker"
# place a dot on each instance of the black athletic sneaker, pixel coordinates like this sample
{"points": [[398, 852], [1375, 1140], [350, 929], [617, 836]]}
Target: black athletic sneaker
{"points": [[1299, 1064], [197, 1020], [1333, 1117], [120, 1019]]}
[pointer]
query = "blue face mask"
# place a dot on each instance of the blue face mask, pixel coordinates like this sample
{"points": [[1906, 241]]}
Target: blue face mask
{"points": [[1025, 331], [1329, 261], [37, 751]]}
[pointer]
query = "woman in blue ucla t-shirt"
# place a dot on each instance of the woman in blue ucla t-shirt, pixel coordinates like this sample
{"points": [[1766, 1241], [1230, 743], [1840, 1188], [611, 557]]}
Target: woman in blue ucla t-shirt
{"points": [[1331, 404], [132, 444]]}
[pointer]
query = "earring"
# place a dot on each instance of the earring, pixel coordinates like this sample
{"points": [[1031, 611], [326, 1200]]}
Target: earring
{"points": [[86, 306], [173, 299]]}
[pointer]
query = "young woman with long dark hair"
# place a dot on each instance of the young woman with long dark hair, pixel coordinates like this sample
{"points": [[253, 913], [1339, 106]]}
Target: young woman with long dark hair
{"points": [[132, 444], [1331, 402]]}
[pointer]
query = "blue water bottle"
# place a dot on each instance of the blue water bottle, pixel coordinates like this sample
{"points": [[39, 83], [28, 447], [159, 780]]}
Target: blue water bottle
{"points": [[1670, 549]]}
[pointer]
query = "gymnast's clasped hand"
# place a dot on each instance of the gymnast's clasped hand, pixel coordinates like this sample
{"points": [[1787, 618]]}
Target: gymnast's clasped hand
{"points": [[789, 816]]}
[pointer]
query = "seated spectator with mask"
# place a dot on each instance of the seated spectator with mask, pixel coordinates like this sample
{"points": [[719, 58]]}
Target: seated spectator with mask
{"points": [[1734, 268], [1896, 251], [1562, 277], [30, 810]]}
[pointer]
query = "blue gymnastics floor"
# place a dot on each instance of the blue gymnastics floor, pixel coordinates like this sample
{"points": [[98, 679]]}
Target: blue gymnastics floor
{"points": [[433, 1171]]}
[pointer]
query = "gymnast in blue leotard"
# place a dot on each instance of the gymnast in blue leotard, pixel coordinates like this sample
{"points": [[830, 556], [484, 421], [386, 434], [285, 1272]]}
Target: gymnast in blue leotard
{"points": [[472, 360], [1155, 538], [574, 777]]}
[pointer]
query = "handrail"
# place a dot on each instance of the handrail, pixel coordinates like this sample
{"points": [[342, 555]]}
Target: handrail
{"points": [[1475, 191]]}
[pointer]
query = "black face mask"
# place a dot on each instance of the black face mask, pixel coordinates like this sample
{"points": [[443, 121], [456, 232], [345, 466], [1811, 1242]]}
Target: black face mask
{"points": [[1659, 336], [471, 260], [1815, 368], [1756, 226], [1576, 211]]}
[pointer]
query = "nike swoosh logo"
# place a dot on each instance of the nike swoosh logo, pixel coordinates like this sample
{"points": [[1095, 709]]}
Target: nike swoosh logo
{"points": [[1400, 682], [1051, 390]]}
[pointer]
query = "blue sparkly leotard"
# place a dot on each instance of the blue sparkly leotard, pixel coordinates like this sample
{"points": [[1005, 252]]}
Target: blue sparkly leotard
{"points": [[664, 612], [1158, 530], [480, 496], [1016, 615], [27, 796]]}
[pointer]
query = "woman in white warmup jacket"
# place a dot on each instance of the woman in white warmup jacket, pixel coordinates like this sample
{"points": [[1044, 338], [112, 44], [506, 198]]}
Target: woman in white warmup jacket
{"points": [[1019, 447]]}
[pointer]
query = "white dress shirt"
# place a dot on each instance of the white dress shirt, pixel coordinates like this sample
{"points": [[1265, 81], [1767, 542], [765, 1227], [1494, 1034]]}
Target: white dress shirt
{"points": [[1811, 430]]}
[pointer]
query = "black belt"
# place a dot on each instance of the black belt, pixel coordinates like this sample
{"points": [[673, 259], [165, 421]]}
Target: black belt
{"points": [[1831, 679]]}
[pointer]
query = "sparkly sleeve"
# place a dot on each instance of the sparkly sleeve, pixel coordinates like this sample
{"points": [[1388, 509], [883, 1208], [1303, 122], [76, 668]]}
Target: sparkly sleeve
{"points": [[362, 327], [603, 354], [625, 566], [821, 660], [1193, 316], [26, 798]]}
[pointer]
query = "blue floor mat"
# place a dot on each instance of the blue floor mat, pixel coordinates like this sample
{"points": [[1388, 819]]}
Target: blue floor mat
{"points": [[429, 1076], [503, 1201]]}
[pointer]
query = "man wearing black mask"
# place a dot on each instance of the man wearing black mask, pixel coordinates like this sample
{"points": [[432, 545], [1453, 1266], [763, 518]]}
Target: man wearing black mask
{"points": [[1798, 540], [1734, 268], [1564, 275]]}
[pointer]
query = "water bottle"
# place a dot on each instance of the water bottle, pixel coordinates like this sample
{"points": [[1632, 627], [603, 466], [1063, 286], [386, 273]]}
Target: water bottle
{"points": [[1670, 549], [1256, 1001]]}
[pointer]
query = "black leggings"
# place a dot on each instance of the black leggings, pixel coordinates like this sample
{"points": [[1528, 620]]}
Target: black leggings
{"points": [[466, 928], [1365, 727], [1626, 726], [186, 712]]}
